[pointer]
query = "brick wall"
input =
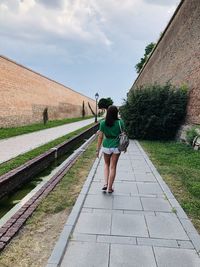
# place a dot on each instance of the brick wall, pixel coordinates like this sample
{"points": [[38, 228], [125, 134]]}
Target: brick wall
{"points": [[176, 57], [24, 94]]}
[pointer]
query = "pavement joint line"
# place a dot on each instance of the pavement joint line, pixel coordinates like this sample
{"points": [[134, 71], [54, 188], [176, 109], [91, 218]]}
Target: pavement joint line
{"points": [[154, 256], [109, 255]]}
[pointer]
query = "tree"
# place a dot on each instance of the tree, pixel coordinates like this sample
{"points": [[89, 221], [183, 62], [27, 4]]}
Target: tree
{"points": [[92, 111], [83, 109], [148, 50], [104, 103], [45, 116]]}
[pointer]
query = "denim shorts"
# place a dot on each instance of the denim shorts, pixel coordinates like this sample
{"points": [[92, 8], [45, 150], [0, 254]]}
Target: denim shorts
{"points": [[111, 150]]}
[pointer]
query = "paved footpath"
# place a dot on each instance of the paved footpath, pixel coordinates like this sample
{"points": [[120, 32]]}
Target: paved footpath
{"points": [[14, 146], [136, 226]]}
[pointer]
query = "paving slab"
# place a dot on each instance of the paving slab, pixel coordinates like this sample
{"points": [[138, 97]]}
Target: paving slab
{"points": [[131, 256], [135, 226], [90, 223], [127, 203], [86, 254], [125, 188], [156, 204], [168, 257], [149, 188], [168, 227], [116, 239], [129, 225], [145, 177], [98, 201]]}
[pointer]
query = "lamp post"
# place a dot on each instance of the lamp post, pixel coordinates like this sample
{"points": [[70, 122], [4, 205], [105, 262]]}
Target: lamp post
{"points": [[96, 97]]}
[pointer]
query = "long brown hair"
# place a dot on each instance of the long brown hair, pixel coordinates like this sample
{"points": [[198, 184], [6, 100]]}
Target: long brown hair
{"points": [[111, 116]]}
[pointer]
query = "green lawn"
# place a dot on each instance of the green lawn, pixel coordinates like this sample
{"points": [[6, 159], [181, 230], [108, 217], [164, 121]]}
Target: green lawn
{"points": [[179, 165], [14, 131], [21, 159]]}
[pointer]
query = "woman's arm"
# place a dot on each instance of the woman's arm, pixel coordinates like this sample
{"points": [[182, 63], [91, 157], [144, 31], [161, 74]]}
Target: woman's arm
{"points": [[99, 142]]}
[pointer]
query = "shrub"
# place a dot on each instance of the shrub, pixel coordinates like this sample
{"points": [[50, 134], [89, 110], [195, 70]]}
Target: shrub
{"points": [[154, 112], [191, 134]]}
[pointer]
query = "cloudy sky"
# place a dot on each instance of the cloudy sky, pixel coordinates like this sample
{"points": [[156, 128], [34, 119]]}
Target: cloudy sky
{"points": [[89, 45]]}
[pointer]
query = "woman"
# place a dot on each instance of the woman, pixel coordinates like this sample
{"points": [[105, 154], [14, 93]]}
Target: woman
{"points": [[109, 132]]}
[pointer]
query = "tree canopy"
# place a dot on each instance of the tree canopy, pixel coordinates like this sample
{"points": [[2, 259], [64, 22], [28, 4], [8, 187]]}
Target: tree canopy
{"points": [[104, 103], [148, 50]]}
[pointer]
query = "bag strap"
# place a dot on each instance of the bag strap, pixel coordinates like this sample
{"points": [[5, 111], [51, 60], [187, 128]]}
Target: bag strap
{"points": [[120, 126]]}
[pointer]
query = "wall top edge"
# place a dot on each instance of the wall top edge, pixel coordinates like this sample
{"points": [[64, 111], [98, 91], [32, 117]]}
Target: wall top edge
{"points": [[160, 39], [43, 76]]}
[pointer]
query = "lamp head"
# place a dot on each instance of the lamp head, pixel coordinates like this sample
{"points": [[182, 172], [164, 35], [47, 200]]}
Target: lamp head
{"points": [[96, 95]]}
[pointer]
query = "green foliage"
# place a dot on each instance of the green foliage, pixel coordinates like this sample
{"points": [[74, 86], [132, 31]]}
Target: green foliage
{"points": [[83, 110], [148, 50], [104, 103], [191, 134], [154, 112]]}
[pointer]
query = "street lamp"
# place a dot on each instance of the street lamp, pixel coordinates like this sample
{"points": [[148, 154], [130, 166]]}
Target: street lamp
{"points": [[96, 97]]}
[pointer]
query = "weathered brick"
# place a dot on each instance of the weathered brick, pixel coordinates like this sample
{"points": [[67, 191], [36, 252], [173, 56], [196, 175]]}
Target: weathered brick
{"points": [[32, 93], [176, 57]]}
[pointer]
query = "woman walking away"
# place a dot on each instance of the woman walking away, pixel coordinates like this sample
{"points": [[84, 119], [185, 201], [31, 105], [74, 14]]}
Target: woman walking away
{"points": [[109, 132]]}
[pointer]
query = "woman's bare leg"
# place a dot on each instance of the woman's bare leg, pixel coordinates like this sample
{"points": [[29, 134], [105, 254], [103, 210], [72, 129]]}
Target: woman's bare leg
{"points": [[113, 167], [106, 167]]}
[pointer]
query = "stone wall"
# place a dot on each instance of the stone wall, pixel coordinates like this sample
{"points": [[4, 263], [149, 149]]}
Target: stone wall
{"points": [[24, 94], [176, 58]]}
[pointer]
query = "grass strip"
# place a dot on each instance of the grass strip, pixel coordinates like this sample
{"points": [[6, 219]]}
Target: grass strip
{"points": [[21, 159], [179, 166], [14, 131], [34, 243]]}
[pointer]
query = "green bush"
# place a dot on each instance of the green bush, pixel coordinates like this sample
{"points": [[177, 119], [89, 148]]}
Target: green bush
{"points": [[191, 134], [154, 112]]}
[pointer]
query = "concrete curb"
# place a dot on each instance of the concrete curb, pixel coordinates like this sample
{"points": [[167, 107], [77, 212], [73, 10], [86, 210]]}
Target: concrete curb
{"points": [[60, 247], [182, 216]]}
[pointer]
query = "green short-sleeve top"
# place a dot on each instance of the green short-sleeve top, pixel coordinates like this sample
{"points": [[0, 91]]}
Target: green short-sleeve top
{"points": [[111, 134]]}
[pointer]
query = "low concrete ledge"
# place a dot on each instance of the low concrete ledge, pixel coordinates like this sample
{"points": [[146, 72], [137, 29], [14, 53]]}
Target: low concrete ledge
{"points": [[22, 174]]}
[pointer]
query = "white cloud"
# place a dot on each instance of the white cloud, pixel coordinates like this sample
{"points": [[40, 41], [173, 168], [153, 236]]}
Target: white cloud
{"points": [[76, 20], [97, 38], [89, 21], [162, 2]]}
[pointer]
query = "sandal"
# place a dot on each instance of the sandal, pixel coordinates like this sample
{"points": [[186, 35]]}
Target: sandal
{"points": [[104, 188], [110, 191]]}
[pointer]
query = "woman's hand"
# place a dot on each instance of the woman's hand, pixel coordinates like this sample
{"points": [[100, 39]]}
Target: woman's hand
{"points": [[99, 142], [97, 153]]}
